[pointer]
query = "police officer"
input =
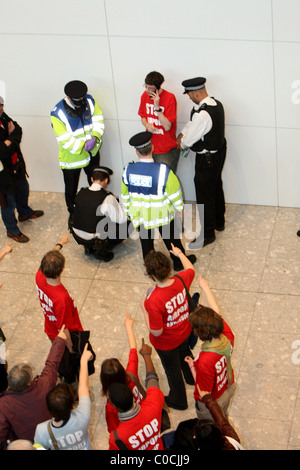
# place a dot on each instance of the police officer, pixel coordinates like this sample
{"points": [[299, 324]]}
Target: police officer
{"points": [[205, 135], [78, 125], [99, 222], [151, 193]]}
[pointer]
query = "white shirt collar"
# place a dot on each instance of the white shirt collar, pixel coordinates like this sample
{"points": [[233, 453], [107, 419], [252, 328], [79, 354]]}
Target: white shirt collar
{"points": [[95, 187], [146, 160], [208, 99]]}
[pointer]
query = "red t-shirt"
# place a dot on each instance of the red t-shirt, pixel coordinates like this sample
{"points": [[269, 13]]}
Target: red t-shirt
{"points": [[168, 308], [58, 306], [211, 370], [163, 141], [111, 413], [143, 431]]}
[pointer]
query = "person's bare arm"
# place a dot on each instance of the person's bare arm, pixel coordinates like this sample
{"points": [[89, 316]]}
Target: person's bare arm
{"points": [[83, 382]]}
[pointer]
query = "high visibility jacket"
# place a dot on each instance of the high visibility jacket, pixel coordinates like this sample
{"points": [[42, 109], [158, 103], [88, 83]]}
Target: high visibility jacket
{"points": [[72, 132], [150, 194]]}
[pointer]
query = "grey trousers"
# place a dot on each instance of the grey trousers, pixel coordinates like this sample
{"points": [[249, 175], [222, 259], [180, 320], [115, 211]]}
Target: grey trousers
{"points": [[223, 401]]}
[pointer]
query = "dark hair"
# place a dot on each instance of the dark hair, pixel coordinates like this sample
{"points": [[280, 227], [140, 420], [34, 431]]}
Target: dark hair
{"points": [[112, 371], [154, 78], [19, 377], [52, 264], [60, 401], [206, 323], [157, 264], [100, 176], [208, 436], [120, 396], [145, 151]]}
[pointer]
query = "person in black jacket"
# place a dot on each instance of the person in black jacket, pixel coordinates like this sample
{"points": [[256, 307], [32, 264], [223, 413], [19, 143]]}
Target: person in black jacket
{"points": [[14, 187]]}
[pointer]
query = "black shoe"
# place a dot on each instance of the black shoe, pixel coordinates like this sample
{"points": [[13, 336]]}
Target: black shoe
{"points": [[88, 250], [208, 241], [34, 215], [101, 256], [71, 221], [220, 228], [177, 264], [175, 407], [20, 238], [192, 259], [199, 242]]}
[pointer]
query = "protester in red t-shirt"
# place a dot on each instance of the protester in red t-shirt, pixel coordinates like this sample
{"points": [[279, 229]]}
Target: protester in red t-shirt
{"points": [[158, 112], [57, 304], [140, 424], [113, 371], [212, 369], [166, 311]]}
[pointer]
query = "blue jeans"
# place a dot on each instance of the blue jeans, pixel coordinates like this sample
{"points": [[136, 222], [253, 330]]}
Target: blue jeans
{"points": [[17, 201]]}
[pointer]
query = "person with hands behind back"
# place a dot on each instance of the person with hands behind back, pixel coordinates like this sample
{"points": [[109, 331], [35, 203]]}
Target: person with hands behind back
{"points": [[212, 369]]}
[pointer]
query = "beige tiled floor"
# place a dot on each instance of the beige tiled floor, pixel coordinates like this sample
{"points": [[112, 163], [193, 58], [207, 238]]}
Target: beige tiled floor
{"points": [[253, 269]]}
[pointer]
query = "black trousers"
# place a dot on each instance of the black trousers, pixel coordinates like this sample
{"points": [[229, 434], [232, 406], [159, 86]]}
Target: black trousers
{"points": [[177, 371], [121, 232], [71, 179], [169, 233], [209, 190]]}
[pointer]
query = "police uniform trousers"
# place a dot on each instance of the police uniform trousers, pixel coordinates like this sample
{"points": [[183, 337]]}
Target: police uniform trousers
{"points": [[209, 190], [169, 233], [71, 180]]}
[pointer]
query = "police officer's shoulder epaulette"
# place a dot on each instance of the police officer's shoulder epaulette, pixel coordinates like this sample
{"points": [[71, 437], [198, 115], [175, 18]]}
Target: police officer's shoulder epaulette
{"points": [[202, 108]]}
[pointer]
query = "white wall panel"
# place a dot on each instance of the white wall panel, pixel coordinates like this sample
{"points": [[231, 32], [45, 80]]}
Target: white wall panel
{"points": [[249, 52], [250, 173], [238, 73], [288, 141], [40, 152], [286, 14], [58, 17], [37, 83], [230, 19], [287, 73]]}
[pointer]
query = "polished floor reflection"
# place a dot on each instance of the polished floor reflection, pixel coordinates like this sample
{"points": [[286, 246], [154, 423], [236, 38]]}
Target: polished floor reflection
{"points": [[253, 269]]}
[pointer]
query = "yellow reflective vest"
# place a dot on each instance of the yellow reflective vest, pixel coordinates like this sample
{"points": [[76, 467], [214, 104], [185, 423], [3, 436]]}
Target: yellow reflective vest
{"points": [[72, 132], [150, 194]]}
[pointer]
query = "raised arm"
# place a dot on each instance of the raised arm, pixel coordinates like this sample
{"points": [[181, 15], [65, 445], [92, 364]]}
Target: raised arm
{"points": [[184, 260], [129, 330], [203, 283], [83, 383], [7, 249], [63, 241]]}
